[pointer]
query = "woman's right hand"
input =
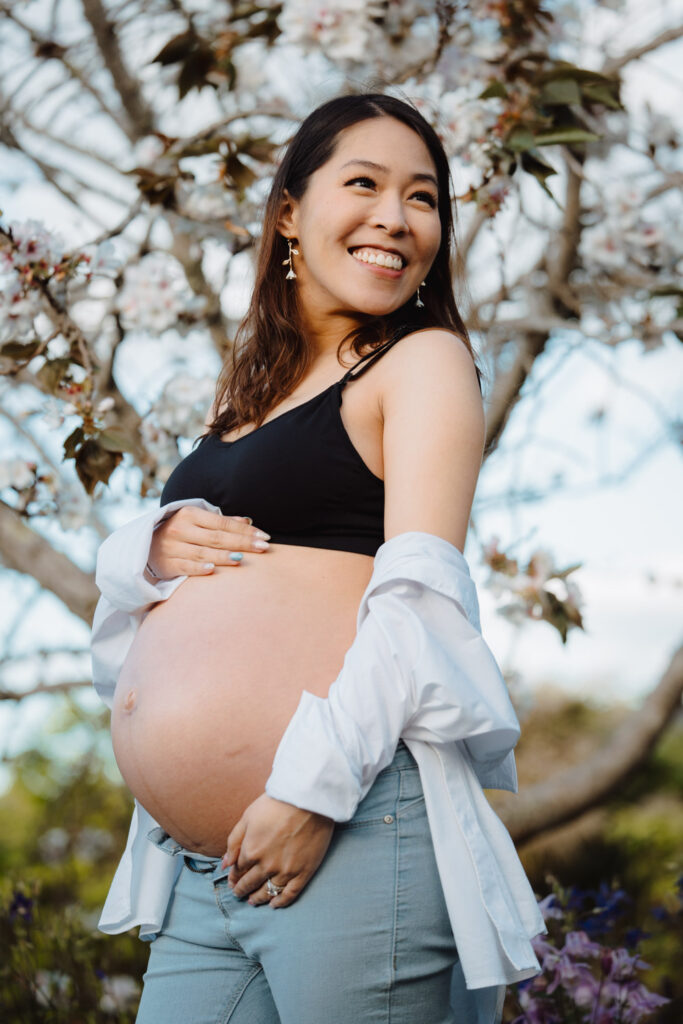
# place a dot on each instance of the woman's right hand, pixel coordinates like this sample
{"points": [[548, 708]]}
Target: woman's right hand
{"points": [[193, 541]]}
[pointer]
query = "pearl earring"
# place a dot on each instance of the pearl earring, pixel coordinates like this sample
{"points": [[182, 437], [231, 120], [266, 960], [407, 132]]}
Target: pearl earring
{"points": [[419, 303], [288, 262]]}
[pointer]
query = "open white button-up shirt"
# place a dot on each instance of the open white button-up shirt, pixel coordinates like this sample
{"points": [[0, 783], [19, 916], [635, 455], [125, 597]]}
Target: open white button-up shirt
{"points": [[418, 669]]}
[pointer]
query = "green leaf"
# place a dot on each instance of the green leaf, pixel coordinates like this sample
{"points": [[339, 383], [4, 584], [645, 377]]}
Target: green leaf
{"points": [[568, 136], [493, 89], [239, 173], [260, 147], [52, 372], [176, 49], [115, 441], [540, 170], [560, 91], [605, 94], [94, 464], [73, 442], [195, 69], [20, 350], [520, 139]]}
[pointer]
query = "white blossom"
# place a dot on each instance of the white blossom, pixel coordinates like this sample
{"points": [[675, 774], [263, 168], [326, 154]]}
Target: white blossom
{"points": [[17, 312], [120, 992], [343, 31], [603, 244], [181, 409], [154, 294], [161, 446], [105, 405], [33, 243], [73, 506], [204, 202], [53, 845], [17, 473], [52, 988], [104, 261]]}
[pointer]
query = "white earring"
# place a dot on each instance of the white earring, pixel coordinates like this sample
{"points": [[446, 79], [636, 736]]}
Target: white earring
{"points": [[288, 262], [419, 303]]}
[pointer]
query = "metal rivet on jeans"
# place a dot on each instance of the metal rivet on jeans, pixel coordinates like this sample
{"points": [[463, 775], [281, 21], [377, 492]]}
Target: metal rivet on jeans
{"points": [[388, 818]]}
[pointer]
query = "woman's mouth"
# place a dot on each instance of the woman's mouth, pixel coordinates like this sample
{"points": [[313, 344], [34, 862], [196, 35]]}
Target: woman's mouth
{"points": [[383, 264]]}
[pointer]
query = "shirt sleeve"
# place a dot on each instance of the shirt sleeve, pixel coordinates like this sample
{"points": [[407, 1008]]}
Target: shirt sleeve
{"points": [[417, 669]]}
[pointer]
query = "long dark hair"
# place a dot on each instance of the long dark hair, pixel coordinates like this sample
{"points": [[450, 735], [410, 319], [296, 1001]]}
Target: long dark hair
{"points": [[270, 354]]}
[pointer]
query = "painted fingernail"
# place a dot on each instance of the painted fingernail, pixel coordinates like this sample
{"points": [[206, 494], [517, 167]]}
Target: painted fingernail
{"points": [[260, 545], [208, 567], [262, 534], [236, 556]]}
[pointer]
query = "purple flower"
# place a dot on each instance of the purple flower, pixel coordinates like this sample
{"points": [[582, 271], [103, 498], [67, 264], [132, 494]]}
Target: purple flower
{"points": [[641, 1003], [549, 907], [21, 907], [624, 965], [578, 944]]}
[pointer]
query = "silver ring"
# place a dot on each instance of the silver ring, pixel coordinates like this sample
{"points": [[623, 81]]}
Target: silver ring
{"points": [[272, 889]]}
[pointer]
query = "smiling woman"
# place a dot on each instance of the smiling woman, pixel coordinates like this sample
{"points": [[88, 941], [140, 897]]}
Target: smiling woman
{"points": [[307, 700]]}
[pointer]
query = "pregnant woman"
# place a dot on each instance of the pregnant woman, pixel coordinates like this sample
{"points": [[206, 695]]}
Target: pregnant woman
{"points": [[302, 703]]}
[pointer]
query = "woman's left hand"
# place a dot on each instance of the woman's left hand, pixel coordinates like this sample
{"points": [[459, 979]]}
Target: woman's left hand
{"points": [[279, 841]]}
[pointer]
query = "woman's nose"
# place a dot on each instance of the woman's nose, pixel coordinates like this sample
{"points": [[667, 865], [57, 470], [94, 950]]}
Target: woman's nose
{"points": [[388, 213]]}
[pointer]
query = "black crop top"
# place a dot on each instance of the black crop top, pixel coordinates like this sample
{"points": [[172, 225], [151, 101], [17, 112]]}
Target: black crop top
{"points": [[298, 475]]}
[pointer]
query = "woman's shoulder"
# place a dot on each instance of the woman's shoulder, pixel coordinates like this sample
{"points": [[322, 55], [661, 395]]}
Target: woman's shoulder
{"points": [[429, 358]]}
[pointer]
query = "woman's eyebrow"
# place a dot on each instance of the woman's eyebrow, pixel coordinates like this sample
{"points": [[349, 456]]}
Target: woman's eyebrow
{"points": [[381, 167]]}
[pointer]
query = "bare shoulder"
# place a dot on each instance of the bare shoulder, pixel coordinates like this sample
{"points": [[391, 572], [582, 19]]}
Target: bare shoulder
{"points": [[430, 364]]}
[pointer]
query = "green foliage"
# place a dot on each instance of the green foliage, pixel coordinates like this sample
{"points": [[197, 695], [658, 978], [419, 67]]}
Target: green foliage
{"points": [[63, 825]]}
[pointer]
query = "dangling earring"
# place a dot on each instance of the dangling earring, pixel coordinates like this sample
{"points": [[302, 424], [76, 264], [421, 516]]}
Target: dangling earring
{"points": [[288, 262], [419, 303]]}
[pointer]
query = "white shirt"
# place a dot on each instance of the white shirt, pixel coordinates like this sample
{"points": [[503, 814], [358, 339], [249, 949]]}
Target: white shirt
{"points": [[418, 669]]}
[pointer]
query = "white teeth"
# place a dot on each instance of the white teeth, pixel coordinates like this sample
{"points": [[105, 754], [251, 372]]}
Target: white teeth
{"points": [[382, 259]]}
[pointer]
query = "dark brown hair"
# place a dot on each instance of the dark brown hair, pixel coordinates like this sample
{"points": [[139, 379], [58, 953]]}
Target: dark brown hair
{"points": [[271, 354]]}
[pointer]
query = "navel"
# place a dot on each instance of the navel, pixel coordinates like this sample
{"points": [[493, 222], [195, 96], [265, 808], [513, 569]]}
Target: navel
{"points": [[129, 703]]}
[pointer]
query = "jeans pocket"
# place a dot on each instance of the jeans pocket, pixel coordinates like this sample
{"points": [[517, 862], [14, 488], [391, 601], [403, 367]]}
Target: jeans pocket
{"points": [[410, 792]]}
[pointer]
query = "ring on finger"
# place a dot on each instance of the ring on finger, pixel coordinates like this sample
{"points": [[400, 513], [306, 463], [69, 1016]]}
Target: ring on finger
{"points": [[272, 889]]}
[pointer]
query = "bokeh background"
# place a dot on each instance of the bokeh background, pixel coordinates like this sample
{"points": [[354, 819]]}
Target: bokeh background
{"points": [[137, 143]]}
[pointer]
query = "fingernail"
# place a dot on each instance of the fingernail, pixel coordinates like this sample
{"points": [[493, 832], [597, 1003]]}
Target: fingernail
{"points": [[208, 567], [236, 556], [260, 533], [248, 519], [260, 545]]}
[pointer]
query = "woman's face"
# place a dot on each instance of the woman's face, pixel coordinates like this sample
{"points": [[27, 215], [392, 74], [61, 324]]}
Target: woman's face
{"points": [[352, 213]]}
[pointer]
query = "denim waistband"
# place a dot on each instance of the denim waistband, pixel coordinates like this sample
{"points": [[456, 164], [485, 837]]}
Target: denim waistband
{"points": [[402, 759]]}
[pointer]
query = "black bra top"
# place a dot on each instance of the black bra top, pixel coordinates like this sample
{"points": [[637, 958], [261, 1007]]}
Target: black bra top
{"points": [[298, 475]]}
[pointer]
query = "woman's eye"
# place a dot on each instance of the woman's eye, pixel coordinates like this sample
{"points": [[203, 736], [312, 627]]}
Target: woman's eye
{"points": [[428, 197], [369, 183]]}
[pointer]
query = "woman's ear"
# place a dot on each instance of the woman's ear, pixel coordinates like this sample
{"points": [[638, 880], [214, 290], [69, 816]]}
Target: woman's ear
{"points": [[287, 218]]}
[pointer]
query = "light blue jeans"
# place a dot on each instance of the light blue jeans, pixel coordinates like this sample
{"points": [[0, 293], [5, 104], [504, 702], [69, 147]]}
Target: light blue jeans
{"points": [[368, 941]]}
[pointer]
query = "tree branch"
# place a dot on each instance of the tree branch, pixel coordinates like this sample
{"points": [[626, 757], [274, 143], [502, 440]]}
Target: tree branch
{"points": [[24, 550], [45, 688], [669, 35], [140, 115], [570, 793]]}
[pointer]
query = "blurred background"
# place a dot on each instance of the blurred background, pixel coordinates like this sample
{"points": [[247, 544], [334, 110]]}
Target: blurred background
{"points": [[137, 143]]}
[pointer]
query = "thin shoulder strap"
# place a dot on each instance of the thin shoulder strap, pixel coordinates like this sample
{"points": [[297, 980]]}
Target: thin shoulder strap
{"points": [[370, 357]]}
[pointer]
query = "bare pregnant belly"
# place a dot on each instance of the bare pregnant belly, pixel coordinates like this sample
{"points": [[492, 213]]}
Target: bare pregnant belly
{"points": [[214, 675]]}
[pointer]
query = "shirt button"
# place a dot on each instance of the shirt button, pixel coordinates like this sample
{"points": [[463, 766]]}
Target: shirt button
{"points": [[388, 818]]}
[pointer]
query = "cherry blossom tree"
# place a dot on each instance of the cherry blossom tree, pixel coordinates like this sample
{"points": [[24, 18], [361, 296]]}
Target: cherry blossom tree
{"points": [[158, 124]]}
